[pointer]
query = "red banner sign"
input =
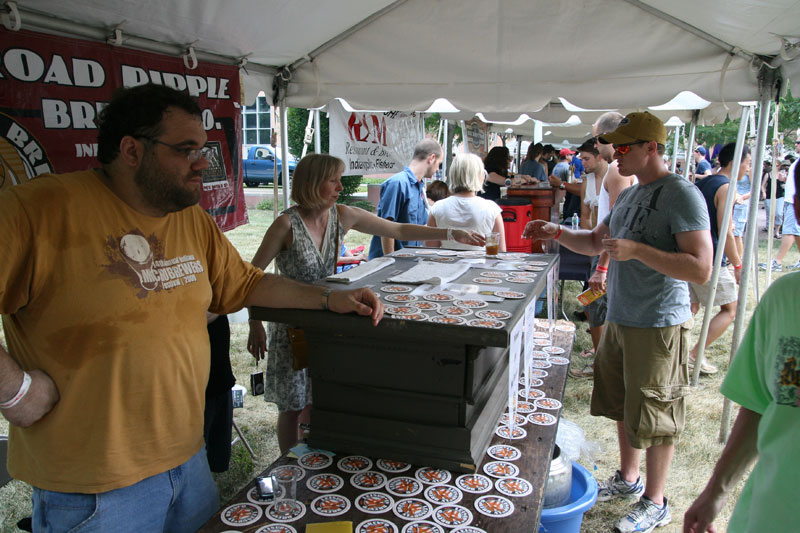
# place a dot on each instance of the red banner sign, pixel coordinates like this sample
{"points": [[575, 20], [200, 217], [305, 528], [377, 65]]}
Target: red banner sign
{"points": [[51, 89]]}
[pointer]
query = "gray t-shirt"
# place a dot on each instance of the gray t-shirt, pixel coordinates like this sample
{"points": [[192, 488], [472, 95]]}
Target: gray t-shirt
{"points": [[652, 214]]}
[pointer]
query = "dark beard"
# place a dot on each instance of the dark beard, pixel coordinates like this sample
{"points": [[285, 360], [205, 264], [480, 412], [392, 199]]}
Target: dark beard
{"points": [[160, 190]]}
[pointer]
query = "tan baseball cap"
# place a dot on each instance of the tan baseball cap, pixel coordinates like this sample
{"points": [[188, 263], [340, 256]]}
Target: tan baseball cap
{"points": [[637, 126]]}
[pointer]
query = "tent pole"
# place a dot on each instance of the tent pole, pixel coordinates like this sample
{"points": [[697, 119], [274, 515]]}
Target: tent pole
{"points": [[675, 150], [773, 188], [722, 239], [317, 133], [464, 142], [446, 147], [767, 87], [690, 144], [284, 113]]}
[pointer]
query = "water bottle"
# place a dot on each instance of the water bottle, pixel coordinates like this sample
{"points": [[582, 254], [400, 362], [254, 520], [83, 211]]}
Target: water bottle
{"points": [[575, 221]]}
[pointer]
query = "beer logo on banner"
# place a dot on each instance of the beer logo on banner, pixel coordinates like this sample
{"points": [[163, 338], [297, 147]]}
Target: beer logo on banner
{"points": [[22, 156]]}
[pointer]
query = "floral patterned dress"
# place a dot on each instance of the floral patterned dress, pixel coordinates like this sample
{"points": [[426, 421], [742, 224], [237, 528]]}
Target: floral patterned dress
{"points": [[290, 389]]}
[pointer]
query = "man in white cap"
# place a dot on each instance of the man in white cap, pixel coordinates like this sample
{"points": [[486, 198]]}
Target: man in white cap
{"points": [[657, 236]]}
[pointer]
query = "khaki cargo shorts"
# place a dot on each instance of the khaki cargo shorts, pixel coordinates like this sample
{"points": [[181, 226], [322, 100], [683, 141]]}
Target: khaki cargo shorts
{"points": [[641, 377]]}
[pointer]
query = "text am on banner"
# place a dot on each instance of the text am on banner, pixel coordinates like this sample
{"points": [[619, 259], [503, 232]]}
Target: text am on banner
{"points": [[372, 142], [51, 89]]}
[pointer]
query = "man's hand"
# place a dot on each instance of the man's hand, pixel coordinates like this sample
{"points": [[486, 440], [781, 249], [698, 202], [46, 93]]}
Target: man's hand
{"points": [[539, 229], [621, 249], [257, 340], [554, 181], [42, 396], [598, 281], [700, 516], [737, 274], [469, 237], [362, 301]]}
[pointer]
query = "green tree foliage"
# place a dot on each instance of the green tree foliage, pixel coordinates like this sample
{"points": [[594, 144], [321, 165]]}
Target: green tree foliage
{"points": [[296, 126], [725, 132]]}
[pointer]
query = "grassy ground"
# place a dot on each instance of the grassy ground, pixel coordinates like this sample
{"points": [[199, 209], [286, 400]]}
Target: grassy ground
{"points": [[695, 456]]}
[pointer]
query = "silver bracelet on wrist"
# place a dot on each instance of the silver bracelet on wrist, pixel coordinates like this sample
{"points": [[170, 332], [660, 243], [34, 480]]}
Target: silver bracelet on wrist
{"points": [[327, 294], [450, 234]]}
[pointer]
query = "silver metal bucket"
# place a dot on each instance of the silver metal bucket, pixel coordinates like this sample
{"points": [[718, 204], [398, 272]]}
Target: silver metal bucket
{"points": [[559, 480]]}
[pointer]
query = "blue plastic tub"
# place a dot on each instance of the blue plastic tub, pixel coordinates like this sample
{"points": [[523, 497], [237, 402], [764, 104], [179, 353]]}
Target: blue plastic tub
{"points": [[568, 517]]}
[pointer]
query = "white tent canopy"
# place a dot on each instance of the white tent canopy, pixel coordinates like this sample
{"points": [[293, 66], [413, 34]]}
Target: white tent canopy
{"points": [[488, 55]]}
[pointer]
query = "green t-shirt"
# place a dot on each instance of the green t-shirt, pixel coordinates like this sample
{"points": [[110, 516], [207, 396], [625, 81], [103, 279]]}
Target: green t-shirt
{"points": [[765, 378]]}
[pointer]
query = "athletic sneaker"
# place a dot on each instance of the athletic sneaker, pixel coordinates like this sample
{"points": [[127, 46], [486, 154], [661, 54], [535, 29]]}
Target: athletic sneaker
{"points": [[616, 487], [776, 267], [644, 517], [795, 266]]}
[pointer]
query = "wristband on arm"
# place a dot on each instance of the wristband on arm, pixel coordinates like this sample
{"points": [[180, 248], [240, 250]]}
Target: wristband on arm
{"points": [[560, 231], [601, 269], [23, 390], [737, 267]]}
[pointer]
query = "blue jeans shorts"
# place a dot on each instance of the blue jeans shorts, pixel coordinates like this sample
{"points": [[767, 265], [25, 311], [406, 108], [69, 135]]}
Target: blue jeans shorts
{"points": [[180, 499], [790, 226]]}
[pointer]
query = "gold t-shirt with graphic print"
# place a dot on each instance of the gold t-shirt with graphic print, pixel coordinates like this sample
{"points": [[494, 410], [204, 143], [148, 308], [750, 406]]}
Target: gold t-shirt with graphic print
{"points": [[112, 305]]}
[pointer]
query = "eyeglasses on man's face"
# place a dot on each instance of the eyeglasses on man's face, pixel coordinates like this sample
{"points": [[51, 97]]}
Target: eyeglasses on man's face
{"points": [[192, 155], [625, 148]]}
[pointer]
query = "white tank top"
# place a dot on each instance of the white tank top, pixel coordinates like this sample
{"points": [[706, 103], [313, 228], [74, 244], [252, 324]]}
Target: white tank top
{"points": [[603, 201]]}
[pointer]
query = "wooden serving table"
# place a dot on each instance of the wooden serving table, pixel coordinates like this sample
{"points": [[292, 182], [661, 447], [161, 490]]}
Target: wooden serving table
{"points": [[544, 206], [423, 393]]}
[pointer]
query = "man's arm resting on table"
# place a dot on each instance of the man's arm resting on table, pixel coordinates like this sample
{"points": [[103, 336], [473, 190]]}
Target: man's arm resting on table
{"points": [[739, 453], [692, 263], [39, 400], [280, 292]]}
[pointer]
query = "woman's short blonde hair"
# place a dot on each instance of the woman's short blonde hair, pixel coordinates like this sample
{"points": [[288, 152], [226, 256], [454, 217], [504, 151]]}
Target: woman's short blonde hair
{"points": [[309, 174], [466, 174]]}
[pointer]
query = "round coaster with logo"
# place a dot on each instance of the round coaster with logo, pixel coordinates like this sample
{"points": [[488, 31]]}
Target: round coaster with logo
{"points": [[553, 350], [330, 505], [525, 407], [474, 483], [400, 298], [412, 509], [443, 494], [486, 323], [506, 433], [513, 486], [452, 516], [392, 467], [241, 514], [288, 472], [286, 511], [375, 525], [403, 486], [354, 463], [503, 452], [253, 497], [474, 303], [541, 363], [400, 310], [433, 476], [542, 419], [422, 526], [500, 469], [533, 394], [395, 289], [467, 529], [369, 480], [374, 503], [276, 528], [438, 297], [494, 506], [493, 314], [315, 460], [548, 403], [325, 483], [557, 360], [426, 306], [417, 317], [518, 419]]}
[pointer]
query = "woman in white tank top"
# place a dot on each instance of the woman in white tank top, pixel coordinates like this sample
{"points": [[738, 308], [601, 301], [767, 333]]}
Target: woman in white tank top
{"points": [[463, 209]]}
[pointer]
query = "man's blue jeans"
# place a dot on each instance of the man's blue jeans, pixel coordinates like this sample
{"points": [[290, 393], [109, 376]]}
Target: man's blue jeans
{"points": [[181, 499]]}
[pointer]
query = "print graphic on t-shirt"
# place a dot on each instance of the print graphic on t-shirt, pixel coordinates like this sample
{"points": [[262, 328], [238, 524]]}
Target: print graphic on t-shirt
{"points": [[787, 370], [635, 216], [141, 262]]}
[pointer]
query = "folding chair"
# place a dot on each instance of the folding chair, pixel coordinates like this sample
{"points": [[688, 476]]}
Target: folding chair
{"points": [[5, 477]]}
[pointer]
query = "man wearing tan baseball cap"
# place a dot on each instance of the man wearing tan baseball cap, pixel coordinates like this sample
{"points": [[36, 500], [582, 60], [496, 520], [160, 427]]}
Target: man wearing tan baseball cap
{"points": [[657, 236]]}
